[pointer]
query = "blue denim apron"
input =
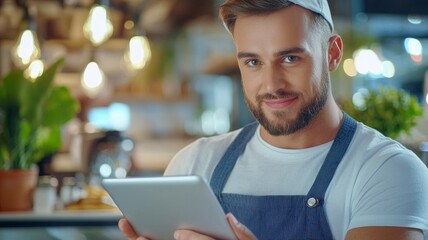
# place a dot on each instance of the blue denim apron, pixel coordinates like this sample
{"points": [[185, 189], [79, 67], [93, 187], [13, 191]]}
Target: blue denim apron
{"points": [[282, 217]]}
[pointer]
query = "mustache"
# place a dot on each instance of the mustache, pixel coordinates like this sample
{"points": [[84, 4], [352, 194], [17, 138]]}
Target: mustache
{"points": [[275, 96]]}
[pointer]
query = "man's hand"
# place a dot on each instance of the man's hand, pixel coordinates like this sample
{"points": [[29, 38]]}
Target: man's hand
{"points": [[128, 231], [241, 232]]}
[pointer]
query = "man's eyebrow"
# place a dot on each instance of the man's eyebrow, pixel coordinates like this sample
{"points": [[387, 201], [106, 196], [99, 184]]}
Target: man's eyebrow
{"points": [[277, 54], [247, 55], [289, 51]]}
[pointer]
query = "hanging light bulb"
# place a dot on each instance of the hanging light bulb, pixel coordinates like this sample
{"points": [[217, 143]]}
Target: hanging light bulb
{"points": [[93, 79], [98, 27], [34, 70], [26, 49], [138, 53]]}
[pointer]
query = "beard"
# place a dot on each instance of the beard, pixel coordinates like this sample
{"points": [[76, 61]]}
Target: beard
{"points": [[279, 126]]}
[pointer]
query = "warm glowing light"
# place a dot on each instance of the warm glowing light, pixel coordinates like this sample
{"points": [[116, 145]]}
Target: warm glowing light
{"points": [[98, 27], [92, 79], [35, 70], [105, 170], [358, 99], [26, 49], [366, 61], [129, 25], [138, 53], [349, 67], [120, 172], [388, 69], [413, 19], [417, 58], [413, 46]]}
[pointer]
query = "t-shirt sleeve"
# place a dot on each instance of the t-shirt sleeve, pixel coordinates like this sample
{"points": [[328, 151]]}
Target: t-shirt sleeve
{"points": [[201, 156], [395, 193], [181, 163]]}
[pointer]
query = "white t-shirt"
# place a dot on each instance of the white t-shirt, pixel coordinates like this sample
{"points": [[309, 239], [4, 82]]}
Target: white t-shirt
{"points": [[377, 183]]}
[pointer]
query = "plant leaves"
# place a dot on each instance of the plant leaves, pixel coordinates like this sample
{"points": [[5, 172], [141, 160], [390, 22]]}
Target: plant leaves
{"points": [[60, 106], [48, 141], [11, 89], [24, 106], [34, 93], [388, 110]]}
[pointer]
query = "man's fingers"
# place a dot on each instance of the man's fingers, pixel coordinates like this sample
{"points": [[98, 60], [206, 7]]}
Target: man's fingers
{"points": [[241, 231], [127, 229], [190, 235]]}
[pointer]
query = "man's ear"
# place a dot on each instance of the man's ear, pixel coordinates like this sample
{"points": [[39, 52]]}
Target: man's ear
{"points": [[335, 51]]}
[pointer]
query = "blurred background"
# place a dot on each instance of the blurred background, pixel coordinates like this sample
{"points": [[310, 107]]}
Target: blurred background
{"points": [[162, 72], [151, 76]]}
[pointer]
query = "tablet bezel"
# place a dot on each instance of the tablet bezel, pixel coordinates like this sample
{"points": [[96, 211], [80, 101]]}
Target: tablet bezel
{"points": [[170, 203]]}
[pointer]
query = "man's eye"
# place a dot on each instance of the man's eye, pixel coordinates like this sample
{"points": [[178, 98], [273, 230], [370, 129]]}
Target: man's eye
{"points": [[252, 63], [290, 59]]}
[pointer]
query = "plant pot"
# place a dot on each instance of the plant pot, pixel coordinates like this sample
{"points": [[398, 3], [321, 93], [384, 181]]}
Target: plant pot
{"points": [[16, 189]]}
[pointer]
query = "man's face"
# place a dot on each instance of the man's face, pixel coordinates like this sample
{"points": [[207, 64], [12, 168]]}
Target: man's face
{"points": [[284, 68]]}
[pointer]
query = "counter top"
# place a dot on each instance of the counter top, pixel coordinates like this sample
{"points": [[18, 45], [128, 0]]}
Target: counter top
{"points": [[59, 218]]}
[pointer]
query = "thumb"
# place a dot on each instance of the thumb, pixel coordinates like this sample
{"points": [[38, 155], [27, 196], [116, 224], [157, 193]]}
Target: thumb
{"points": [[240, 230]]}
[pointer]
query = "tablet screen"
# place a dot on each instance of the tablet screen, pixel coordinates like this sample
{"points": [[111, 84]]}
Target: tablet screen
{"points": [[157, 206]]}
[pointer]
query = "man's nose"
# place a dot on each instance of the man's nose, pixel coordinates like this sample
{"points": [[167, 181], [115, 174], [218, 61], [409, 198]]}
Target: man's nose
{"points": [[274, 78]]}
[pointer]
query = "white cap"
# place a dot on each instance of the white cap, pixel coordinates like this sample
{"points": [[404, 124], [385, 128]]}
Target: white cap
{"points": [[317, 6]]}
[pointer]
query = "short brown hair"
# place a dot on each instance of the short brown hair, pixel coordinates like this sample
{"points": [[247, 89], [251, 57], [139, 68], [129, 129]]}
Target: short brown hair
{"points": [[231, 9]]}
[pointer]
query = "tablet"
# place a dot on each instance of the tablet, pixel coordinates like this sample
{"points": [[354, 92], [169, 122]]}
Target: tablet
{"points": [[157, 206]]}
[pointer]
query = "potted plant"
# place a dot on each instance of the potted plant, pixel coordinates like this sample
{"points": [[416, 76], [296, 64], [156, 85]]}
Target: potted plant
{"points": [[391, 111], [31, 116]]}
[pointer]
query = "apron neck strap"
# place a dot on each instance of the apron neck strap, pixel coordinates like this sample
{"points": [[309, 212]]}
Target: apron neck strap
{"points": [[334, 156], [227, 162], [340, 145]]}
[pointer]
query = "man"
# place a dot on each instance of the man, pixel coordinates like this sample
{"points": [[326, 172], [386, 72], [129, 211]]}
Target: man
{"points": [[306, 170]]}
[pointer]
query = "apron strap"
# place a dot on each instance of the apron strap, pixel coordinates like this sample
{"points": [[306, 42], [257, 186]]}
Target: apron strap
{"points": [[334, 156], [227, 162], [326, 173]]}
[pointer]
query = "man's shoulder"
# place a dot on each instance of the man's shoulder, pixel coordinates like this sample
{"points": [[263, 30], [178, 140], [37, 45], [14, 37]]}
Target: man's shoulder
{"points": [[373, 139], [202, 155], [370, 147]]}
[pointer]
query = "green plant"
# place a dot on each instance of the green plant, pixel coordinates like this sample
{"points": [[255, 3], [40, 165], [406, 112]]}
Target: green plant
{"points": [[31, 116], [391, 111]]}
